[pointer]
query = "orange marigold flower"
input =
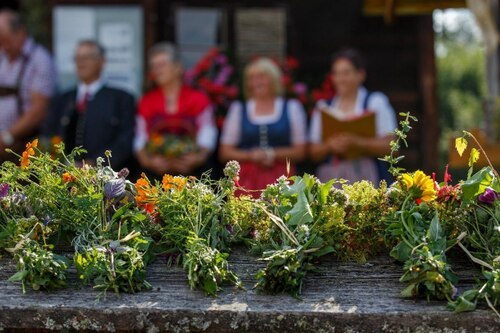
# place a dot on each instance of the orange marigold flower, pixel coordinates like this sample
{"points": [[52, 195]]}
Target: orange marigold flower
{"points": [[176, 182], [68, 178], [29, 151], [55, 140], [146, 194]]}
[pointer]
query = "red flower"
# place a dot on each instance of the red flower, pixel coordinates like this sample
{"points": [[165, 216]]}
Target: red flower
{"points": [[447, 176], [292, 63], [448, 193]]}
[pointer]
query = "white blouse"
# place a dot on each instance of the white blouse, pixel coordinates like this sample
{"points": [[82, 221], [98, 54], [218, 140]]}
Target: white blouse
{"points": [[231, 131], [385, 116]]}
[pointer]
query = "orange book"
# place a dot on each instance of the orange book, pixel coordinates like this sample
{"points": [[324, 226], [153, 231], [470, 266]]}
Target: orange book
{"points": [[363, 125]]}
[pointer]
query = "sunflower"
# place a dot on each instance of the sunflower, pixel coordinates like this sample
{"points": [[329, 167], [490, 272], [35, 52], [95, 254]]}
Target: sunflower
{"points": [[176, 182], [29, 151], [419, 185]]}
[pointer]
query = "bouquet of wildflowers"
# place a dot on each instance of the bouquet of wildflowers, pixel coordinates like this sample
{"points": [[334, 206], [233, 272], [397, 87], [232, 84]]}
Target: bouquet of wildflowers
{"points": [[428, 218], [170, 145], [45, 200], [189, 213], [304, 220]]}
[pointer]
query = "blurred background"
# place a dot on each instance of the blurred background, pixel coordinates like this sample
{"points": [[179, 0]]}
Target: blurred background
{"points": [[436, 59]]}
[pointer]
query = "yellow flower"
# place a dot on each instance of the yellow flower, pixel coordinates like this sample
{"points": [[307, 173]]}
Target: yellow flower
{"points": [[170, 181], [420, 185]]}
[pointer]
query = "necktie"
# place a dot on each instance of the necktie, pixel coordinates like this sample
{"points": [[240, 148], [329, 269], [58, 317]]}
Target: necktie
{"points": [[81, 106]]}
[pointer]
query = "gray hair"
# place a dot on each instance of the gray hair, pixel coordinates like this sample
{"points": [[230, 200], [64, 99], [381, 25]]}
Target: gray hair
{"points": [[101, 51], [165, 48], [15, 21]]}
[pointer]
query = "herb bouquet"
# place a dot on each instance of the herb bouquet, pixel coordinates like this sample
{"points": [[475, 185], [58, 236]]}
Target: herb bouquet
{"points": [[428, 219], [45, 201], [297, 220], [191, 228]]}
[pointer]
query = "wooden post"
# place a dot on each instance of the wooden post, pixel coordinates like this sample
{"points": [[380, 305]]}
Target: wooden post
{"points": [[429, 118]]}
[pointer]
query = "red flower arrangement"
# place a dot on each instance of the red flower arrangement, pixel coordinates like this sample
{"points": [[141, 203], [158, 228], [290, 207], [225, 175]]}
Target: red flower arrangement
{"points": [[326, 91], [214, 75]]}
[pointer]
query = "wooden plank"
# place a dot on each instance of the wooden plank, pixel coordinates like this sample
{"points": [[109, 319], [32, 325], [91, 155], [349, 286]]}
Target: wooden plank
{"points": [[341, 297]]}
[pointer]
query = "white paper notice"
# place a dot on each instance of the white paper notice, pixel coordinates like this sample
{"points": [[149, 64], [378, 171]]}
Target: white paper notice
{"points": [[118, 40], [71, 24]]}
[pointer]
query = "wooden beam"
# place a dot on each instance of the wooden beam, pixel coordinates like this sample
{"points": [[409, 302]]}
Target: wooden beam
{"points": [[429, 133], [409, 7]]}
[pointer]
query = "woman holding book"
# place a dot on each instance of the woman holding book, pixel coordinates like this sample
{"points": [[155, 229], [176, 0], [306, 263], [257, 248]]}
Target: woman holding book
{"points": [[264, 131], [351, 152]]}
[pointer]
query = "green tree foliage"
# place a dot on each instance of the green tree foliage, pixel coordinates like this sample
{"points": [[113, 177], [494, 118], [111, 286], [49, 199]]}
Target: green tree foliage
{"points": [[461, 73]]}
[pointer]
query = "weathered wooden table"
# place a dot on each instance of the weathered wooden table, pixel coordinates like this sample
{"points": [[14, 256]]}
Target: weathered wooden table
{"points": [[342, 297]]}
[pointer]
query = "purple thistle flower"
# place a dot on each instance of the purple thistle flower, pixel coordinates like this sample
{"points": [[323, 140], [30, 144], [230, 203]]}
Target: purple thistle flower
{"points": [[489, 196], [114, 189], [4, 190]]}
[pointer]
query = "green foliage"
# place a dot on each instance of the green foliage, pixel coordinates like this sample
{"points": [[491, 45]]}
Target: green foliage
{"points": [[194, 223], [311, 219], [421, 243], [38, 267], [365, 212], [115, 268], [461, 86], [476, 184], [461, 81], [401, 134], [284, 271], [207, 268]]}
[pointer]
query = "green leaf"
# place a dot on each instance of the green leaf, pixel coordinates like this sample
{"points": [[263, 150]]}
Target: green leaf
{"points": [[323, 251], [435, 231], [408, 291], [301, 212], [210, 286], [465, 302], [476, 184], [324, 190], [473, 157], [401, 252], [460, 145], [19, 276]]}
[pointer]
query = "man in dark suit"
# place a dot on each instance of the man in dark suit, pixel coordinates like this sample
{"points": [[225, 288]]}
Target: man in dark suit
{"points": [[93, 115]]}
